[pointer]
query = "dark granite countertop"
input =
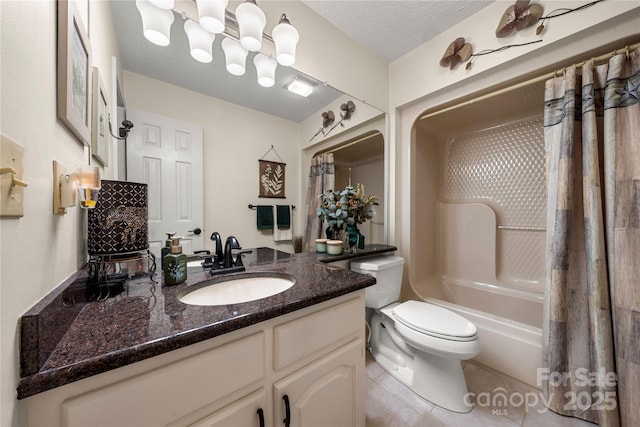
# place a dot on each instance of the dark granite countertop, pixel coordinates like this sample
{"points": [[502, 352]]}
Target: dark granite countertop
{"points": [[64, 338]]}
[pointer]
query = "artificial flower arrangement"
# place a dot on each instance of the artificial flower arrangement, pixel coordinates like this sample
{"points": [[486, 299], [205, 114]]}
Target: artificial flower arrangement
{"points": [[344, 210]]}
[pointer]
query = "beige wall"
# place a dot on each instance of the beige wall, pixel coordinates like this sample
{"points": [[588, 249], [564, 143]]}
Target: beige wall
{"points": [[235, 138], [39, 250]]}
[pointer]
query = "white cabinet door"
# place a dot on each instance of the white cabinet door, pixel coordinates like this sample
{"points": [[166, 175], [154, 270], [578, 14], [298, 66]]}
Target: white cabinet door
{"points": [[329, 392], [242, 413], [166, 154]]}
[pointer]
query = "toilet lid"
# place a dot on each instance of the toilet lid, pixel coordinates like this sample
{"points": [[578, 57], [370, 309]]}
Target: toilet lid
{"points": [[433, 320]]}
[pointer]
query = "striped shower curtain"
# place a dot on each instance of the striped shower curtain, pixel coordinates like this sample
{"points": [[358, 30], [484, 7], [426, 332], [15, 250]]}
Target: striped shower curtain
{"points": [[592, 297], [321, 178]]}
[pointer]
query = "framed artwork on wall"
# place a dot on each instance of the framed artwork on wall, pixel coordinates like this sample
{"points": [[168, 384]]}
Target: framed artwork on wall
{"points": [[100, 110], [74, 72], [272, 180]]}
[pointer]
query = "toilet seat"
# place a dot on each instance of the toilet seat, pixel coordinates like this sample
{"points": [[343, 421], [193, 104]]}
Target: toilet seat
{"points": [[434, 321]]}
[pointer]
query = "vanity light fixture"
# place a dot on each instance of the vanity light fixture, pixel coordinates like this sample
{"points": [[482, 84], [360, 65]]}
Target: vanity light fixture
{"points": [[266, 69], [200, 41], [163, 4], [235, 55], [156, 22], [211, 14], [285, 37], [244, 27], [251, 22], [300, 87]]}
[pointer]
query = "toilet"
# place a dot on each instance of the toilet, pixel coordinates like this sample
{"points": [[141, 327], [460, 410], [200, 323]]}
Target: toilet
{"points": [[420, 344]]}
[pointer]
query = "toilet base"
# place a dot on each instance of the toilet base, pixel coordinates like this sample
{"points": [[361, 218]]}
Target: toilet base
{"points": [[436, 379]]}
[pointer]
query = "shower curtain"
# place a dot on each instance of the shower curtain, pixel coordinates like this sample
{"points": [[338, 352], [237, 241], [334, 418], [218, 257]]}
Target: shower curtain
{"points": [[592, 296], [321, 179]]}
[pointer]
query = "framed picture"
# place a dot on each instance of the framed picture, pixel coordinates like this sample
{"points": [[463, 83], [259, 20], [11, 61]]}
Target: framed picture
{"points": [[271, 179], [74, 72], [100, 110]]}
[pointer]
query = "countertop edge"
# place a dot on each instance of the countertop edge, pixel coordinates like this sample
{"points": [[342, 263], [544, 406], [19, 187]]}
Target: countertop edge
{"points": [[32, 383], [50, 379]]}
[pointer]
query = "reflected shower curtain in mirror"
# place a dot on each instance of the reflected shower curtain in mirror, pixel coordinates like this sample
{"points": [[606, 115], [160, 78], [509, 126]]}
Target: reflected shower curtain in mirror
{"points": [[591, 334], [321, 179]]}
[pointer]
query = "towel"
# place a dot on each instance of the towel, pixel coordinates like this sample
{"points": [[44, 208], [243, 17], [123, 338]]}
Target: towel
{"points": [[265, 217], [283, 231], [283, 216]]}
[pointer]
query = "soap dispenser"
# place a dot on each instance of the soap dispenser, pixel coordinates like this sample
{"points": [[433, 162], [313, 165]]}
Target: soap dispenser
{"points": [[166, 249], [174, 264]]}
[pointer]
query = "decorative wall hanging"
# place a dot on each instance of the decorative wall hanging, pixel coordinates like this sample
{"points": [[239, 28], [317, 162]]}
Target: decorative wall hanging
{"points": [[347, 109], [99, 146], [562, 11], [271, 177], [327, 120], [518, 17], [488, 51], [458, 51], [74, 72]]}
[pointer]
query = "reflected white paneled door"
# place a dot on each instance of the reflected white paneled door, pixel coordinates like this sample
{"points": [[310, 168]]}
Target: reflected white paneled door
{"points": [[166, 154]]}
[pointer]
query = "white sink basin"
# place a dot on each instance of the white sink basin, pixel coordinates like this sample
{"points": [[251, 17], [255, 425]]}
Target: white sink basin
{"points": [[237, 289]]}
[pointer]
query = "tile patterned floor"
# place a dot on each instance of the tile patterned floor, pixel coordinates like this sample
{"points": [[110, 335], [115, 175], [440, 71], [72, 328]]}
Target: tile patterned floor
{"points": [[390, 404]]}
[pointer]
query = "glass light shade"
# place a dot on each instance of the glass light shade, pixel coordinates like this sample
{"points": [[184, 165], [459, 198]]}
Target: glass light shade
{"points": [[251, 22], [285, 37], [156, 22], [235, 56], [89, 185], [200, 41], [266, 69], [163, 4], [211, 14]]}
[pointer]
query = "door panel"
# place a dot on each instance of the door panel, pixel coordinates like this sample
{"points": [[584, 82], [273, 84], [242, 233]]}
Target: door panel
{"points": [[166, 154], [326, 392]]}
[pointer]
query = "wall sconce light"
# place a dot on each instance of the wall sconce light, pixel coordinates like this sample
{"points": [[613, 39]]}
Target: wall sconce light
{"points": [[85, 182]]}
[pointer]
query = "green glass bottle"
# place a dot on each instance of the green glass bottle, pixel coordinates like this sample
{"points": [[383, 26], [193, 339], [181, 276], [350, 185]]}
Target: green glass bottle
{"points": [[174, 264]]}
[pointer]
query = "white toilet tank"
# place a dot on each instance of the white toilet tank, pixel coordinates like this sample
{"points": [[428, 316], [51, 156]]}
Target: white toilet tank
{"points": [[388, 273]]}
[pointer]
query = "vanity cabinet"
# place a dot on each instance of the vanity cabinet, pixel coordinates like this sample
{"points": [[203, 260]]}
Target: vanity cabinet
{"points": [[315, 356], [324, 393]]}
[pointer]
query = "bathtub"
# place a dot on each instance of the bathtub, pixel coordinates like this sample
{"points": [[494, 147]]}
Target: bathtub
{"points": [[478, 217], [510, 347]]}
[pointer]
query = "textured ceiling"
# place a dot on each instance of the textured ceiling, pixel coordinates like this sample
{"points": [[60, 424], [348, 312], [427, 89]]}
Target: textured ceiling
{"points": [[391, 28]]}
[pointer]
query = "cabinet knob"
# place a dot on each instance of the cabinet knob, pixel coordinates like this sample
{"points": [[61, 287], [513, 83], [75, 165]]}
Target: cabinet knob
{"points": [[261, 417], [287, 411]]}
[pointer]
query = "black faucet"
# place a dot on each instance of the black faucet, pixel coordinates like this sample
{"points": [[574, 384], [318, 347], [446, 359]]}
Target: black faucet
{"points": [[215, 236], [231, 243]]}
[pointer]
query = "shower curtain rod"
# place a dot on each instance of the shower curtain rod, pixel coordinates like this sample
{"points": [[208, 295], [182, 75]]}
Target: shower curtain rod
{"points": [[340, 147], [529, 82]]}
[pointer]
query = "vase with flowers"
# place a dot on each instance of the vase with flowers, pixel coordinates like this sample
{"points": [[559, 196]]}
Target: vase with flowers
{"points": [[343, 210]]}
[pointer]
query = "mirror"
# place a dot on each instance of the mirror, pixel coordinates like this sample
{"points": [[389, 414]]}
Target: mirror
{"points": [[174, 64]]}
